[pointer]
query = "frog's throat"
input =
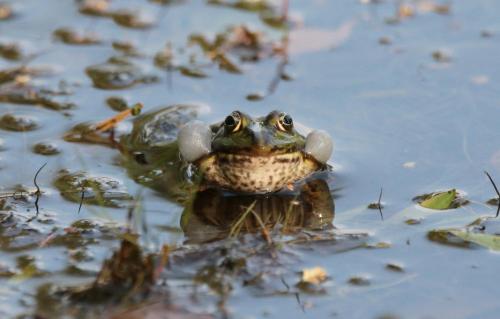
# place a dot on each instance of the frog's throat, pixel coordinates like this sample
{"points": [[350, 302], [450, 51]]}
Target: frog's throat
{"points": [[256, 174]]}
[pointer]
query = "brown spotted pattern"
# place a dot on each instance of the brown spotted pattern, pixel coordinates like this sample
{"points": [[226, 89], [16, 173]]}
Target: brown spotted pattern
{"points": [[256, 174]]}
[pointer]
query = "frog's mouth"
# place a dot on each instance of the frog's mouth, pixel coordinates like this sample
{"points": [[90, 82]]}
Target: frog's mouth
{"points": [[195, 142]]}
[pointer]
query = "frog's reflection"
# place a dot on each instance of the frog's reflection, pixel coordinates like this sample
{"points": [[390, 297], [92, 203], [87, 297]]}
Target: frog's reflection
{"points": [[214, 215]]}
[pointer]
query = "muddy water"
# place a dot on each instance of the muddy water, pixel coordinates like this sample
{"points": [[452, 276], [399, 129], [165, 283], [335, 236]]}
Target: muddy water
{"points": [[408, 94]]}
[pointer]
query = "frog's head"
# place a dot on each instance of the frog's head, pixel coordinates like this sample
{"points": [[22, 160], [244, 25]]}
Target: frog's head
{"points": [[244, 150], [242, 134]]}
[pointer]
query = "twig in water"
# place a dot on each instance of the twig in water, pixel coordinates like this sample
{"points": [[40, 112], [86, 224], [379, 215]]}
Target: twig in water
{"points": [[236, 227], [297, 297], [285, 283], [379, 204], [496, 190], [81, 200], [265, 232], [38, 192]]}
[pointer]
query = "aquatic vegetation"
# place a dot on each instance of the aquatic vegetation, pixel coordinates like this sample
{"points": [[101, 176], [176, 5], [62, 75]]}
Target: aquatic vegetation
{"points": [[132, 19], [46, 148], [117, 74], [24, 91], [11, 51], [483, 232], [441, 200], [80, 187], [18, 123], [70, 36], [388, 94]]}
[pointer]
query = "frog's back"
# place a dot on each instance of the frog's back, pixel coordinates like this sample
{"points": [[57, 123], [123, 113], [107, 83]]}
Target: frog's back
{"points": [[160, 127]]}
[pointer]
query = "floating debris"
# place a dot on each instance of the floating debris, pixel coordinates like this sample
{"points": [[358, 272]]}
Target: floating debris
{"points": [[359, 281], [385, 41], [128, 48], [441, 56], [5, 11], [483, 232], [379, 245], [487, 33], [493, 202], [46, 148], [413, 221], [163, 59], [23, 91], [315, 275], [70, 36], [18, 123], [117, 103], [132, 19], [11, 51], [96, 190], [95, 7], [117, 74], [394, 267]]}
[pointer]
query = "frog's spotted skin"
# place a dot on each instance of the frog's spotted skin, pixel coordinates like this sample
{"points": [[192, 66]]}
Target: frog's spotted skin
{"points": [[257, 174], [250, 155]]}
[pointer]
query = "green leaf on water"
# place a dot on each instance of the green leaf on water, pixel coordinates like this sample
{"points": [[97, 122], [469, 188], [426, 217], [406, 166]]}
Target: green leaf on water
{"points": [[486, 240], [441, 200]]}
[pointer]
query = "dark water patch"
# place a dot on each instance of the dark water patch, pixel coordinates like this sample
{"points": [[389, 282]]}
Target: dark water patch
{"points": [[18, 123]]}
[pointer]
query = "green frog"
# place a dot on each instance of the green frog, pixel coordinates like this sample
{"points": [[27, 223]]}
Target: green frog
{"points": [[234, 172], [174, 153]]}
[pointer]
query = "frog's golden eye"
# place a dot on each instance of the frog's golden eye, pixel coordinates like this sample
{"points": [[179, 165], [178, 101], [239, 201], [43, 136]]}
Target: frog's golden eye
{"points": [[233, 122], [285, 122]]}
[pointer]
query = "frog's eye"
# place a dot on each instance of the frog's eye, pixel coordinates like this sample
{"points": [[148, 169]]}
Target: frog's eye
{"points": [[285, 122], [233, 122]]}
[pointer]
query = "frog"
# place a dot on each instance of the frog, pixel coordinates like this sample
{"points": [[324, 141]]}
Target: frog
{"points": [[173, 152]]}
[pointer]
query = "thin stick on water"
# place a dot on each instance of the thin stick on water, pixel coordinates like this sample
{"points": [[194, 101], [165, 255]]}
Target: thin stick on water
{"points": [[38, 192], [379, 204], [496, 190]]}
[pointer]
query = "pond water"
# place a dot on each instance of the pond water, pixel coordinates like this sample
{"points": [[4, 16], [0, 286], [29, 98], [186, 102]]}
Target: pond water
{"points": [[407, 90]]}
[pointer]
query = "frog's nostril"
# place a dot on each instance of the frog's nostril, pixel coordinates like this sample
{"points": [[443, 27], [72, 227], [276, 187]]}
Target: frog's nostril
{"points": [[194, 140]]}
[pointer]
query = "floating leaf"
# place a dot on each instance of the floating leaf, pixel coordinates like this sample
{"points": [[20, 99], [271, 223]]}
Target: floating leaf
{"points": [[486, 240], [440, 201]]}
